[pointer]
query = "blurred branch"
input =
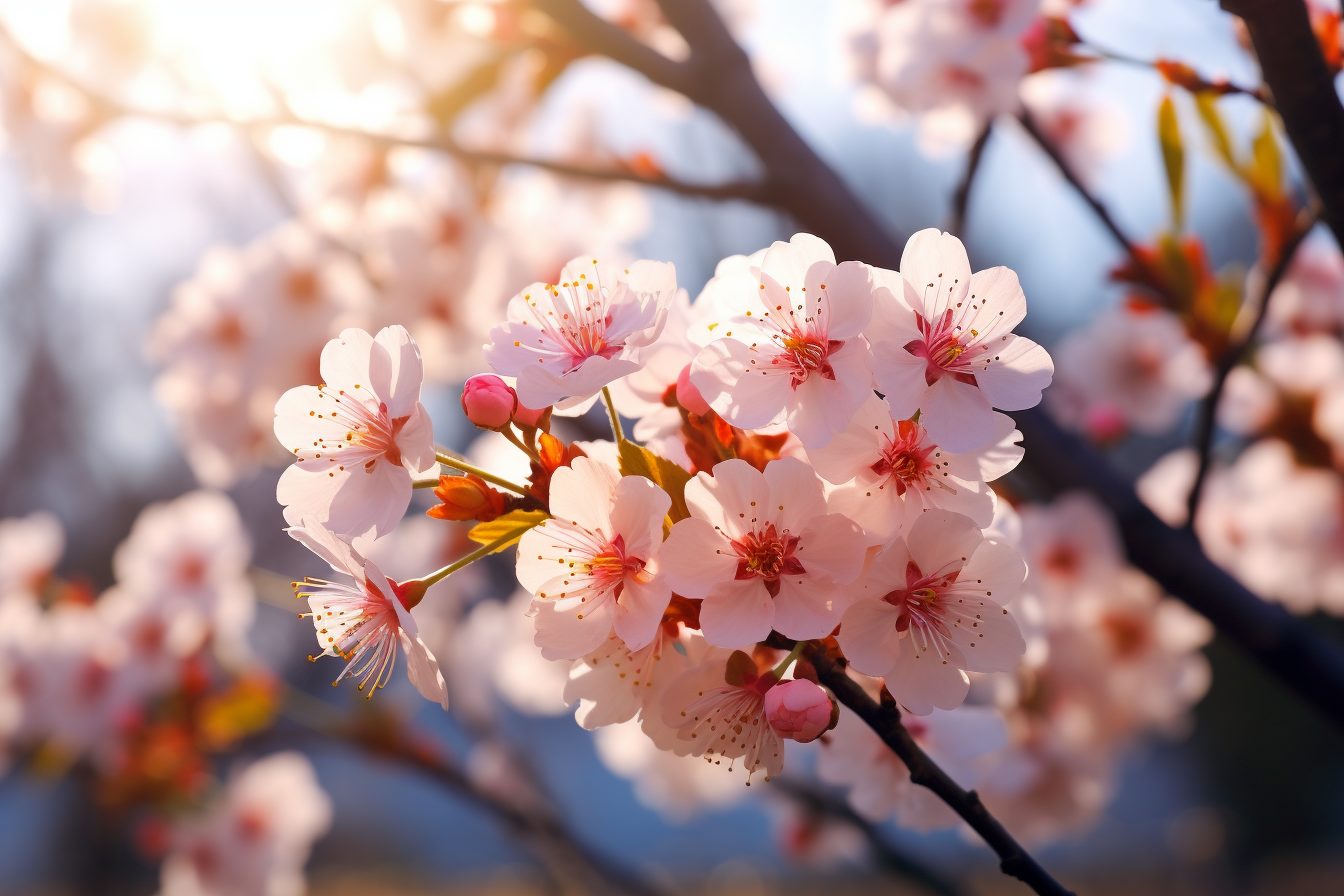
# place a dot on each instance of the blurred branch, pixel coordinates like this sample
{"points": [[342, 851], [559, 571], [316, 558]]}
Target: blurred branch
{"points": [[1180, 74], [1208, 412], [885, 720], [888, 855], [961, 197], [110, 106], [1098, 208], [1304, 94], [323, 723]]}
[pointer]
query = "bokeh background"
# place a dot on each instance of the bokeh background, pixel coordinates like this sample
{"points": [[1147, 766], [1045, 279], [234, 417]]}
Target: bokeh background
{"points": [[100, 225]]}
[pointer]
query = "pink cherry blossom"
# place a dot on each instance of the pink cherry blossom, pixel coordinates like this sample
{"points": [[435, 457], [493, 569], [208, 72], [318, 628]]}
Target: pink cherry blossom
{"points": [[717, 710], [365, 621], [360, 438], [943, 344], [256, 838], [594, 566], [1139, 364], [763, 553], [1071, 546], [564, 342], [889, 471], [788, 346], [799, 710], [932, 610], [614, 683], [30, 548]]}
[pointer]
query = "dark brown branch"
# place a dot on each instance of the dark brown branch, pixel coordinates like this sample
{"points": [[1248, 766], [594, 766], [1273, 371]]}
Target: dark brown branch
{"points": [[961, 197], [885, 720], [899, 863], [1304, 94], [1208, 411]]}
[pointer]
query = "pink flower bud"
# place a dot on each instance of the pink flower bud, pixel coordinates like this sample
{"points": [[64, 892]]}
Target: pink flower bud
{"points": [[488, 401], [525, 416], [688, 396], [800, 710]]}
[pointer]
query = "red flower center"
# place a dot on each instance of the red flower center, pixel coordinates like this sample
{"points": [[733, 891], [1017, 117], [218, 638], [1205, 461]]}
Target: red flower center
{"points": [[768, 554]]}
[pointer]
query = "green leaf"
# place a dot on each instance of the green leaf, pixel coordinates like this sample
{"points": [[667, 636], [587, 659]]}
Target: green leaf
{"points": [[1173, 158], [1266, 168], [1206, 103], [514, 523], [636, 460]]}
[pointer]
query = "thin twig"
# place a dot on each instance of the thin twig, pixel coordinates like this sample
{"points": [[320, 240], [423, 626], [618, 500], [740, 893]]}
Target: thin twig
{"points": [[1208, 412], [747, 191], [887, 854], [885, 720], [961, 197]]}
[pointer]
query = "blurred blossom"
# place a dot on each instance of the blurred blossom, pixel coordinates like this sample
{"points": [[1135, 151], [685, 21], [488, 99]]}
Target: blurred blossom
{"points": [[1135, 364], [30, 548], [255, 837]]}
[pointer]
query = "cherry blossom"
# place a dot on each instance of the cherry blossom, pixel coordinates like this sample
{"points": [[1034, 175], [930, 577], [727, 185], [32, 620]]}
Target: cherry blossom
{"points": [[1071, 546], [943, 343], [564, 342], [360, 438], [877, 783], [30, 548], [365, 621], [789, 345], [717, 710], [594, 567], [190, 556], [932, 610], [763, 553], [1136, 363], [614, 683], [256, 838], [889, 471]]}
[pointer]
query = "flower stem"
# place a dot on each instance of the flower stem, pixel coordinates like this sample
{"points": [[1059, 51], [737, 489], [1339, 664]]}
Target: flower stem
{"points": [[449, 461], [617, 432], [508, 433], [462, 562], [784, 664], [425, 483]]}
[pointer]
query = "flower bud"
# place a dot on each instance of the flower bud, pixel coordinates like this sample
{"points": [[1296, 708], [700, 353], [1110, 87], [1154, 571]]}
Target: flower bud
{"points": [[467, 498], [488, 401], [800, 710], [688, 396]]}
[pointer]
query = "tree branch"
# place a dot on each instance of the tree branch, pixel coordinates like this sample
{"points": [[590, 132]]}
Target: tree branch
{"points": [[1304, 94], [1208, 412], [895, 860], [885, 720], [748, 191], [961, 196]]}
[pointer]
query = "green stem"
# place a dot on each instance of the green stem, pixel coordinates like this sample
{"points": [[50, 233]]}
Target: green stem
{"points": [[462, 562], [425, 483], [449, 461], [784, 664], [615, 418], [508, 433]]}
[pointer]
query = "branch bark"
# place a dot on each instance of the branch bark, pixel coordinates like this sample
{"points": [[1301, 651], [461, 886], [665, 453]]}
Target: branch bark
{"points": [[1304, 94], [885, 720]]}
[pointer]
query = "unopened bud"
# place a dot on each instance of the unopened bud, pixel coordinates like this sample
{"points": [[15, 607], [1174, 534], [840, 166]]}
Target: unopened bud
{"points": [[800, 710], [688, 396], [488, 401], [530, 417], [467, 498]]}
